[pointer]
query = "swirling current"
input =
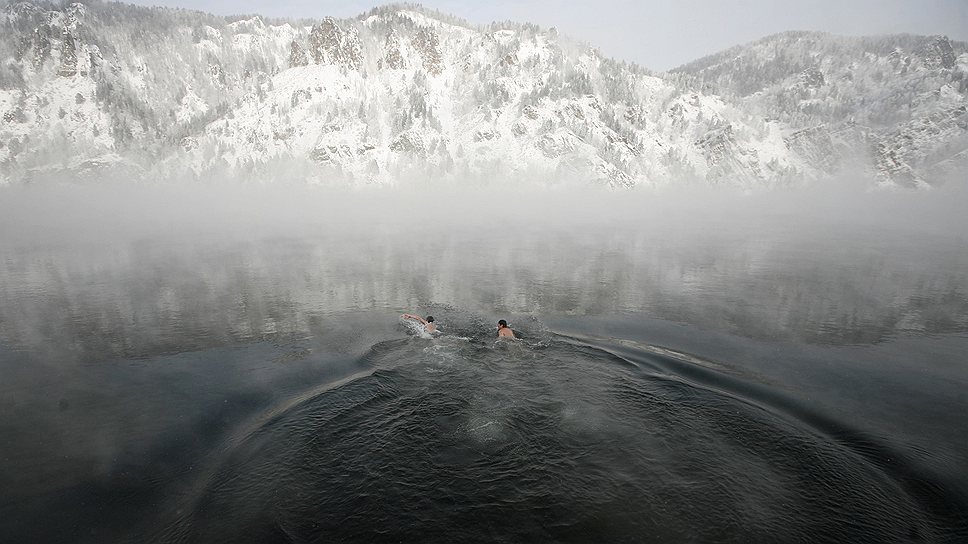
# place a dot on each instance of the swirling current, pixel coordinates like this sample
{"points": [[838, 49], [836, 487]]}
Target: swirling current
{"points": [[463, 438]]}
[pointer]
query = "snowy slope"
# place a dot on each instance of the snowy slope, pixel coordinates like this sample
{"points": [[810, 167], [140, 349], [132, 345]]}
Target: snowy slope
{"points": [[899, 102], [397, 95]]}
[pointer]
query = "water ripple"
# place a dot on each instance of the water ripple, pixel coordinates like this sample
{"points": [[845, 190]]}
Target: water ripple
{"points": [[447, 440]]}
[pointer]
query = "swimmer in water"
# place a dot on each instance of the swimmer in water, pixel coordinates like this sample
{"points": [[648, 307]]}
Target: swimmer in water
{"points": [[503, 331], [428, 323]]}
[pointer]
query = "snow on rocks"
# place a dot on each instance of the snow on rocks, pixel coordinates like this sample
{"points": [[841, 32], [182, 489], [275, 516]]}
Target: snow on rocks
{"points": [[404, 94]]}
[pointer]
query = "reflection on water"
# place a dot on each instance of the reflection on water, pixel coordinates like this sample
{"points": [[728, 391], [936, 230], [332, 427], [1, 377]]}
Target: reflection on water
{"points": [[140, 381], [145, 298]]}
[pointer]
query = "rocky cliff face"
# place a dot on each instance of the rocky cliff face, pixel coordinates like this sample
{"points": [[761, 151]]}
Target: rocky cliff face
{"points": [[331, 44], [403, 95]]}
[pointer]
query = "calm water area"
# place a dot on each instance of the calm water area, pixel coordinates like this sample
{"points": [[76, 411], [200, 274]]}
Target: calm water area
{"points": [[673, 381]]}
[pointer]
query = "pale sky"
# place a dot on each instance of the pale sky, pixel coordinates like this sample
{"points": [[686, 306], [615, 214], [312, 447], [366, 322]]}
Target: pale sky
{"points": [[656, 34]]}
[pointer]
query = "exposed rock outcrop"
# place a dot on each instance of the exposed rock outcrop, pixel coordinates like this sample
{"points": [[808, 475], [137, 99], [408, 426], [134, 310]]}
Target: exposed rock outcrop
{"points": [[427, 44], [331, 44], [938, 53], [68, 53], [297, 55], [392, 58]]}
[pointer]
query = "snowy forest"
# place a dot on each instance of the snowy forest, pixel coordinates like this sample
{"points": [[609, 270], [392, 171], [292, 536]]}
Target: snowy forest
{"points": [[402, 94]]}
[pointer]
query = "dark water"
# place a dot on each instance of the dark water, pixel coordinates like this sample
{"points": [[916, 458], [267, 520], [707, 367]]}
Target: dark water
{"points": [[729, 387]]}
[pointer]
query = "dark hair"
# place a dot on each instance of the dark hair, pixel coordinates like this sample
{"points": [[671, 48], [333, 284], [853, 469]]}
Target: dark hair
{"points": [[502, 323], [430, 319]]}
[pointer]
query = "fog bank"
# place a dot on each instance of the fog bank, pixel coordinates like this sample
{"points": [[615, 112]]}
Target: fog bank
{"points": [[66, 213]]}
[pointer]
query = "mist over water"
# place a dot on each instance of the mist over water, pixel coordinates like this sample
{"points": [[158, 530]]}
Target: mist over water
{"points": [[201, 364]]}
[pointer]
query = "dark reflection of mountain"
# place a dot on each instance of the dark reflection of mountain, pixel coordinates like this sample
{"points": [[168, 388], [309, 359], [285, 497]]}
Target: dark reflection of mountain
{"points": [[149, 298]]}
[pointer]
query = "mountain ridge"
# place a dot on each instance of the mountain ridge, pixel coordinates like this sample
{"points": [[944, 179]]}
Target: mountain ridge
{"points": [[400, 94], [900, 98]]}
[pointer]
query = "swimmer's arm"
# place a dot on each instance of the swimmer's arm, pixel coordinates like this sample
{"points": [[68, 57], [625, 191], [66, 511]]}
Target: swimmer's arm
{"points": [[411, 316]]}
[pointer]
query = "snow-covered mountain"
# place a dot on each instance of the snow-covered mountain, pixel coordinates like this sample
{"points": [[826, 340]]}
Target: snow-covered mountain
{"points": [[403, 94], [899, 102]]}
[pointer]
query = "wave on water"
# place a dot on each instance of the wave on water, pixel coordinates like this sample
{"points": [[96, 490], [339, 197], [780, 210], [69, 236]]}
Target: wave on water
{"points": [[466, 438]]}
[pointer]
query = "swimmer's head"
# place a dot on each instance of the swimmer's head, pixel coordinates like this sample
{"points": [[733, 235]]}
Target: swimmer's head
{"points": [[502, 323], [430, 319]]}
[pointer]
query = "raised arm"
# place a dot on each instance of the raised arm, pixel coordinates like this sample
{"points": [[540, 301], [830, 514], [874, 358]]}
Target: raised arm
{"points": [[417, 317]]}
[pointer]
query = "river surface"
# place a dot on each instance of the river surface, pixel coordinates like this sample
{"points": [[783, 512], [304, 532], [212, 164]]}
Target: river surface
{"points": [[673, 385]]}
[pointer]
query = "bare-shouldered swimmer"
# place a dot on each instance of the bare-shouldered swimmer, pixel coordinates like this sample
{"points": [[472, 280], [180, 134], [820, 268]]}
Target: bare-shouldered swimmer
{"points": [[428, 323], [503, 331]]}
